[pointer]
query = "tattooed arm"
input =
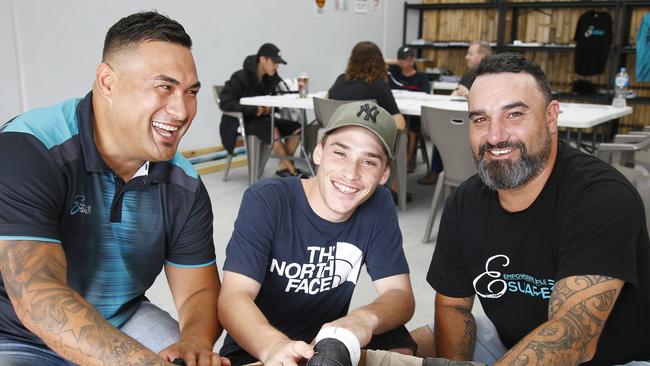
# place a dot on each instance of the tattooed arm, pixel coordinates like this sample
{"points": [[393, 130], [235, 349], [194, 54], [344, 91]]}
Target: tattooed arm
{"points": [[578, 309], [34, 275], [455, 328]]}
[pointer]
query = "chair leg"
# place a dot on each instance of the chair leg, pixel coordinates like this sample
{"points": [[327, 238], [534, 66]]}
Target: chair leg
{"points": [[434, 208], [257, 154], [227, 170], [265, 152], [402, 143], [425, 153]]}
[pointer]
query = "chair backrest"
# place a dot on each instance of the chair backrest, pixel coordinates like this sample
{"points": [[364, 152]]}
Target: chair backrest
{"points": [[324, 108], [449, 132], [216, 92]]}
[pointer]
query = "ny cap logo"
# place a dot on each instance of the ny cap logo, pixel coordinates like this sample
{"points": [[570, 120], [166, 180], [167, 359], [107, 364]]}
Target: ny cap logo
{"points": [[371, 112]]}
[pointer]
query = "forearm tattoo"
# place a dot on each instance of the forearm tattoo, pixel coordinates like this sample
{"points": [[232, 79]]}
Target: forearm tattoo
{"points": [[466, 344], [35, 282], [578, 322]]}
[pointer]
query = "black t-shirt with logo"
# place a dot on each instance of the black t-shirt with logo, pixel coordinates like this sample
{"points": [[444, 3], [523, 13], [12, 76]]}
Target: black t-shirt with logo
{"points": [[593, 37], [588, 220]]}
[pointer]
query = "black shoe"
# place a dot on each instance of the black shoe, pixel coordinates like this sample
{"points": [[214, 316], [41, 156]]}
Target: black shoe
{"points": [[301, 174], [284, 173], [409, 197]]}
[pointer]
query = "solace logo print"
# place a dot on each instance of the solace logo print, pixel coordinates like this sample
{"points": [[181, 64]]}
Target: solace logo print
{"points": [[328, 268], [79, 205], [493, 284]]}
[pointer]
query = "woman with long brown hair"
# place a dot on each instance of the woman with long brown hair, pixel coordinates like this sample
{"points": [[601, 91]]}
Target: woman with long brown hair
{"points": [[366, 78]]}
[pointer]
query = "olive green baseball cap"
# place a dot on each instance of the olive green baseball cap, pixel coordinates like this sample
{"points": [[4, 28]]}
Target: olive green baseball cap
{"points": [[370, 116]]}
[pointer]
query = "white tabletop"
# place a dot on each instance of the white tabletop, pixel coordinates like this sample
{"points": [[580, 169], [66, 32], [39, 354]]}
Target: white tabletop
{"points": [[444, 85], [575, 115]]}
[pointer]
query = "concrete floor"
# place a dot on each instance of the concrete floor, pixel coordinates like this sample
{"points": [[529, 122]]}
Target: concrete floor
{"points": [[226, 198]]}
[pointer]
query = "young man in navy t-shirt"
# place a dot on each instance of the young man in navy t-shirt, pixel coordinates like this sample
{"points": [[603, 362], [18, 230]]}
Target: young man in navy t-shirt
{"points": [[298, 247]]}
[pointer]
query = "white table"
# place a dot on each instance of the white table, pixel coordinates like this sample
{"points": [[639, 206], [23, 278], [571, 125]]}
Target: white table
{"points": [[572, 115], [444, 85]]}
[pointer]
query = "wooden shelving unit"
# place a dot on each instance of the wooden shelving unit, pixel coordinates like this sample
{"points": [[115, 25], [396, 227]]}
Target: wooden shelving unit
{"points": [[551, 24]]}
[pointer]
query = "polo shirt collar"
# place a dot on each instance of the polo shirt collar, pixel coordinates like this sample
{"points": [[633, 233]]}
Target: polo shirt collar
{"points": [[157, 172]]}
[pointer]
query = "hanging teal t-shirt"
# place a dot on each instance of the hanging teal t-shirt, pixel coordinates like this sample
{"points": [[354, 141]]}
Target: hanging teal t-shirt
{"points": [[643, 50]]}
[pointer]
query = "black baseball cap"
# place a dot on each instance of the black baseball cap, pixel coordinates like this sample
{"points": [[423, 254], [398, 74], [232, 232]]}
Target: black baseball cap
{"points": [[405, 52], [271, 51]]}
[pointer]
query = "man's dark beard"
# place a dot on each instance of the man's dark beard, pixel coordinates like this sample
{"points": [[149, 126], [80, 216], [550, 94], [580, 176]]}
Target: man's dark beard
{"points": [[508, 174]]}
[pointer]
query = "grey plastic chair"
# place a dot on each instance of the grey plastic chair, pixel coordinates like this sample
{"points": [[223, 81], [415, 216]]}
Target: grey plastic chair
{"points": [[448, 130], [621, 155], [324, 108], [257, 151]]}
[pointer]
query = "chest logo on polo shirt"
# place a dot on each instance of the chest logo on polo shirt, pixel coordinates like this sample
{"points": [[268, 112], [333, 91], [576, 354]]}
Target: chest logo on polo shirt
{"points": [[327, 268], [79, 205], [493, 284]]}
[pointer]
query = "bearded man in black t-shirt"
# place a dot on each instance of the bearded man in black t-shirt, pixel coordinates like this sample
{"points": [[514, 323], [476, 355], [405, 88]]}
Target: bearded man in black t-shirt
{"points": [[553, 241]]}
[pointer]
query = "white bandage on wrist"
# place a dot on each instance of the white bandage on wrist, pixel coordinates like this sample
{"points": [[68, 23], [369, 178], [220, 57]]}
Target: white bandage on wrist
{"points": [[346, 337]]}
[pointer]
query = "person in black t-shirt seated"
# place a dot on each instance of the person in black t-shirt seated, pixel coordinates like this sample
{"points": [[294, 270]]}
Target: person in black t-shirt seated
{"points": [[366, 79], [553, 241], [476, 51]]}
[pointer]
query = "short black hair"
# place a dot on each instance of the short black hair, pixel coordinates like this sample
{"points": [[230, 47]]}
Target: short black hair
{"points": [[144, 26], [515, 63]]}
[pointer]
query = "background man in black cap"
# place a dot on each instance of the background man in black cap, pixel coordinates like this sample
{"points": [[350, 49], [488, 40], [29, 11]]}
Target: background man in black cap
{"points": [[258, 77], [404, 76]]}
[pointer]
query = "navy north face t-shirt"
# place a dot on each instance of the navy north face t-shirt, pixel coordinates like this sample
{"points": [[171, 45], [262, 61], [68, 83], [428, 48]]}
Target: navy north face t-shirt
{"points": [[307, 266]]}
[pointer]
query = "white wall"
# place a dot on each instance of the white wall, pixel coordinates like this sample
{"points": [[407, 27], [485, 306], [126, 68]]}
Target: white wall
{"points": [[56, 45]]}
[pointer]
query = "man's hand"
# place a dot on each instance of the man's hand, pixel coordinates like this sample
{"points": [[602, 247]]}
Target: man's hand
{"points": [[263, 110], [252, 331], [461, 90], [193, 354], [287, 353], [195, 292]]}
